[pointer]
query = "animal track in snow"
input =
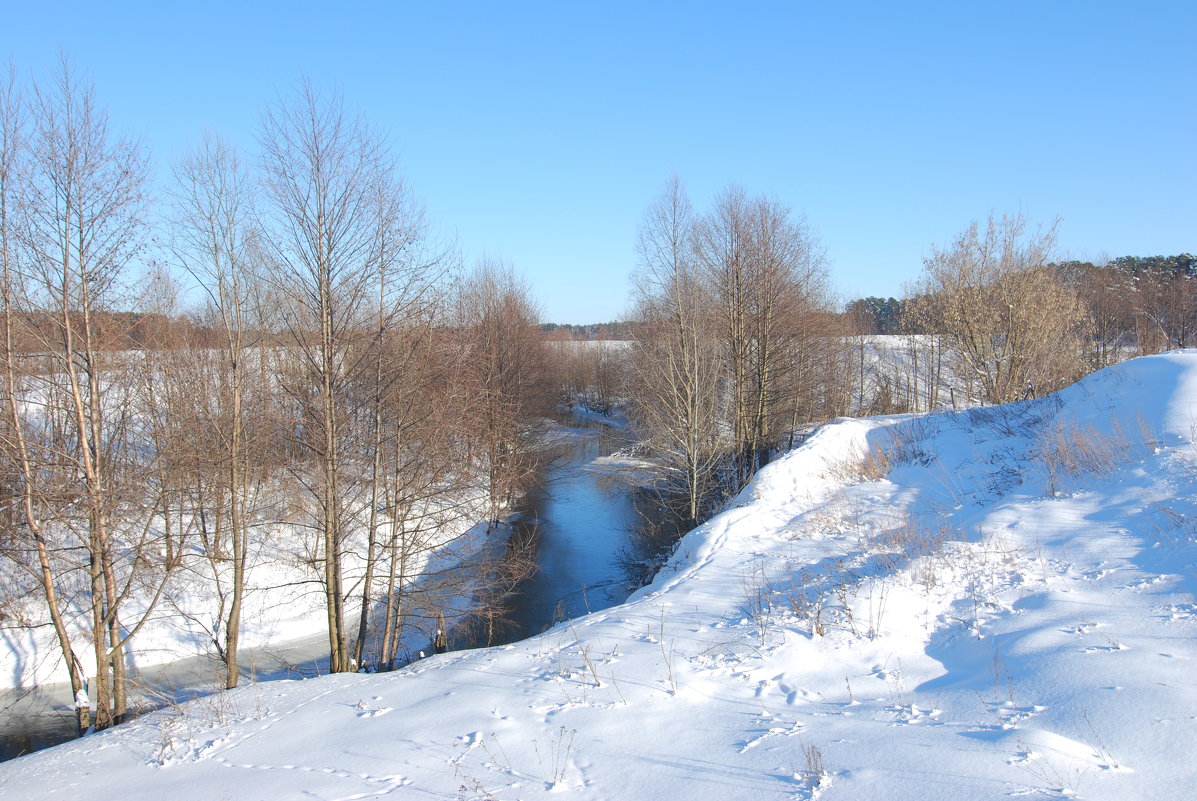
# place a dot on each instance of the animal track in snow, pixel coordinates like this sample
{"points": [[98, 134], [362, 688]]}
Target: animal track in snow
{"points": [[373, 713]]}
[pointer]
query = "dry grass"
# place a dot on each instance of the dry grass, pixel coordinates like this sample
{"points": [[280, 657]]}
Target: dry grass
{"points": [[1171, 525], [1067, 451], [816, 773], [902, 443], [912, 538], [874, 464]]}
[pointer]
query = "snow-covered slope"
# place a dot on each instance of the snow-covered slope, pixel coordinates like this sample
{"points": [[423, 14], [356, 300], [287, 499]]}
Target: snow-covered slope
{"points": [[965, 606]]}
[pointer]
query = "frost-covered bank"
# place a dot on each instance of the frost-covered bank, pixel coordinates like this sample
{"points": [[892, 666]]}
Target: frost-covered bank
{"points": [[979, 605]]}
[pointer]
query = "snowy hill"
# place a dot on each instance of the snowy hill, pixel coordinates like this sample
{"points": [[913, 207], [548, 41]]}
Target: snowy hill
{"points": [[980, 605]]}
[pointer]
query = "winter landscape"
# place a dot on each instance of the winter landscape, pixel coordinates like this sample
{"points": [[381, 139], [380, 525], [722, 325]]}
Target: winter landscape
{"points": [[991, 603], [489, 402]]}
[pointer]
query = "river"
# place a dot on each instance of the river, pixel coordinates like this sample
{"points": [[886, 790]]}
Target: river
{"points": [[587, 530]]}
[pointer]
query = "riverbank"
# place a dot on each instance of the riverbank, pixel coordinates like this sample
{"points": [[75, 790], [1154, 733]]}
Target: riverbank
{"points": [[911, 608], [284, 602], [576, 520], [578, 524]]}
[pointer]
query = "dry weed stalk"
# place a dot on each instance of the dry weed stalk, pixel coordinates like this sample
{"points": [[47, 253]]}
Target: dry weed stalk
{"points": [[1174, 527], [1066, 450], [816, 769], [874, 463], [902, 443]]}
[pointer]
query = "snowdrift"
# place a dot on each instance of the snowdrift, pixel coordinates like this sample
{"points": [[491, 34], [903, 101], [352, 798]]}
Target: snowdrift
{"points": [[985, 604]]}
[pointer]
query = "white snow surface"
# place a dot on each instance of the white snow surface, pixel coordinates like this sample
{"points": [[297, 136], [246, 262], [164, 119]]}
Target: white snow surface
{"points": [[1000, 606], [284, 605]]}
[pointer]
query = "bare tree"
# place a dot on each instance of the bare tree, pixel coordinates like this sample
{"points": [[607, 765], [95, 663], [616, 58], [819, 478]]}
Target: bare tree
{"points": [[767, 277], [425, 488], [17, 449], [1109, 296], [1164, 298], [794, 349], [505, 365], [1008, 318], [738, 339], [326, 177], [213, 226], [82, 226], [677, 356], [723, 247], [408, 300], [590, 373]]}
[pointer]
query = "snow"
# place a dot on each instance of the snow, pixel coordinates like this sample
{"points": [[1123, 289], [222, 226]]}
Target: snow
{"points": [[976, 605], [283, 608]]}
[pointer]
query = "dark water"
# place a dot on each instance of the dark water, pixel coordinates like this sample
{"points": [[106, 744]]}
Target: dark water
{"points": [[593, 536], [34, 719], [573, 525]]}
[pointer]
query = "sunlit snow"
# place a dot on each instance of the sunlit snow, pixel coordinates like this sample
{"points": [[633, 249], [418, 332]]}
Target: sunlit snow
{"points": [[986, 604]]}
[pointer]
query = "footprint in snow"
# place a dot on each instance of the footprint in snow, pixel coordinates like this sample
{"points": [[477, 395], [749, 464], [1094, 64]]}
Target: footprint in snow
{"points": [[373, 713]]}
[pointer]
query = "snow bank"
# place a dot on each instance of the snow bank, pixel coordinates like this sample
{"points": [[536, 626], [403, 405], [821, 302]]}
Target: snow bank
{"points": [[284, 603], [987, 604]]}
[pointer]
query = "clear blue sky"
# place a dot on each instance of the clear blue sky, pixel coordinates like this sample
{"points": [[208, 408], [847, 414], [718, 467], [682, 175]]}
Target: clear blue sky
{"points": [[538, 132]]}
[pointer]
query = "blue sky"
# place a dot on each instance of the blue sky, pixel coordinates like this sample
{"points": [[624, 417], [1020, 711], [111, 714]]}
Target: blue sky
{"points": [[539, 132]]}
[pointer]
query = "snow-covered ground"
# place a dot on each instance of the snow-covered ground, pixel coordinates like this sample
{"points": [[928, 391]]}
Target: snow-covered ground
{"points": [[980, 605], [284, 602]]}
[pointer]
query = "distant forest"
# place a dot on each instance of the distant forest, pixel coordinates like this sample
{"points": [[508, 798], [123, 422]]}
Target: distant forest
{"points": [[347, 381], [1147, 300]]}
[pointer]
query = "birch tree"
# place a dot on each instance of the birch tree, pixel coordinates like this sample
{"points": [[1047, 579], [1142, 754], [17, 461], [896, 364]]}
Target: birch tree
{"points": [[677, 358], [213, 241], [341, 231], [82, 226], [18, 451], [766, 276], [321, 167]]}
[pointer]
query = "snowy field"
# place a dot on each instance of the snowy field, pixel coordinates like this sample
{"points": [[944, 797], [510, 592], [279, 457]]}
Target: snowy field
{"points": [[995, 603]]}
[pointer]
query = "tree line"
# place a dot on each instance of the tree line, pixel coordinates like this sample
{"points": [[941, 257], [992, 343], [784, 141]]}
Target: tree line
{"points": [[345, 394], [996, 309], [349, 398], [739, 344], [1134, 304]]}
